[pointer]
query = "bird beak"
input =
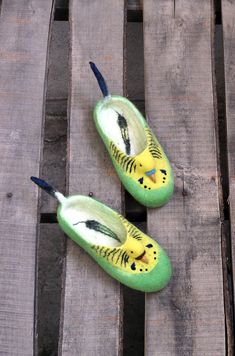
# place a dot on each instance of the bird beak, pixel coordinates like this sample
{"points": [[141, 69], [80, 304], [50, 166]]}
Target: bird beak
{"points": [[152, 174], [153, 177], [143, 258]]}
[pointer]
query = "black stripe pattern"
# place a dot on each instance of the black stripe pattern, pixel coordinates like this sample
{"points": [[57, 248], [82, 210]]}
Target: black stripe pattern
{"points": [[118, 255], [131, 229], [96, 226], [154, 148], [122, 123], [115, 255], [127, 163]]}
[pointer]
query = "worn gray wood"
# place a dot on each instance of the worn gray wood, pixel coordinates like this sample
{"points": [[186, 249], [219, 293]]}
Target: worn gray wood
{"points": [[24, 29], [228, 17], [186, 318], [91, 322]]}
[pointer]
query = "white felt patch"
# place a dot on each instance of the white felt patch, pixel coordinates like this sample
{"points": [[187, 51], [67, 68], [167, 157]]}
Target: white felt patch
{"points": [[86, 209], [108, 121]]}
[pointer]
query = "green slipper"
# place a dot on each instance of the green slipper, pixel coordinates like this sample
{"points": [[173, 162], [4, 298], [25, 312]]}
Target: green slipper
{"points": [[122, 250], [137, 156]]}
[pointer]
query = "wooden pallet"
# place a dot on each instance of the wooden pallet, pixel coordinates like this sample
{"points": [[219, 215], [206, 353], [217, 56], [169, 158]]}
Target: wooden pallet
{"points": [[193, 315]]}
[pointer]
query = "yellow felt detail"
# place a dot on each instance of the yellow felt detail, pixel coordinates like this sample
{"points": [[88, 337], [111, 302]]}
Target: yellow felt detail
{"points": [[124, 257], [144, 162]]}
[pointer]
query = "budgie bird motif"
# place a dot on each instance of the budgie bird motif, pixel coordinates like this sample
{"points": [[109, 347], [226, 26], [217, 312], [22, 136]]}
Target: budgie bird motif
{"points": [[149, 168], [138, 254], [120, 248], [138, 157]]}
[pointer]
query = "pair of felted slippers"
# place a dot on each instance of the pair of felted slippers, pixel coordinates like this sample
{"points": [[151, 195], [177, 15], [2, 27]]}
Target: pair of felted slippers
{"points": [[122, 250]]}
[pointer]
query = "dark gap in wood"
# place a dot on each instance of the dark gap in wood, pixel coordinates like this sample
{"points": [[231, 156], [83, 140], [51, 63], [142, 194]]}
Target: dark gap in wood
{"points": [[228, 287], [218, 19], [133, 323], [51, 254], [221, 108], [61, 10], [61, 15], [37, 259], [66, 107], [136, 216], [218, 12], [134, 301], [223, 168], [48, 218], [134, 316], [54, 157], [135, 16], [53, 169], [56, 107], [134, 5], [174, 8], [134, 211], [62, 4]]}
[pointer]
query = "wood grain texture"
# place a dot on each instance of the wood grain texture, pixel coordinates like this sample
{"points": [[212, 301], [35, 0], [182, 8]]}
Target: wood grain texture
{"points": [[187, 318], [92, 300], [228, 18], [24, 29]]}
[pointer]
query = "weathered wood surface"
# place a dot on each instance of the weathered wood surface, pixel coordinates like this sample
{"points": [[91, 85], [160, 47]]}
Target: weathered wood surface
{"points": [[24, 29], [228, 18], [186, 318], [92, 300]]}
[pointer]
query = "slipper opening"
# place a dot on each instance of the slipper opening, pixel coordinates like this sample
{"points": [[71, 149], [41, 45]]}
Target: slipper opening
{"points": [[94, 222], [121, 124]]}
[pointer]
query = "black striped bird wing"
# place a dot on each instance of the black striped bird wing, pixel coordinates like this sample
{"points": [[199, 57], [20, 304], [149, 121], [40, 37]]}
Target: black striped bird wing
{"points": [[154, 148], [131, 229], [126, 162], [115, 255]]}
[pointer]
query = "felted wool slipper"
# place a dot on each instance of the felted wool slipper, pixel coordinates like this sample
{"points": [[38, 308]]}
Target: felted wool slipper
{"points": [[122, 250], [137, 156]]}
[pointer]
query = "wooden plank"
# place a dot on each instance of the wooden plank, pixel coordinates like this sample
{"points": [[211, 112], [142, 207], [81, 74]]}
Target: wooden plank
{"points": [[92, 300], [24, 29], [187, 318], [228, 20]]}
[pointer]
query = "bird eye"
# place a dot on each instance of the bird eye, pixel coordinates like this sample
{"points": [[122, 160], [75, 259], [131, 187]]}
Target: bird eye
{"points": [[140, 165], [131, 251]]}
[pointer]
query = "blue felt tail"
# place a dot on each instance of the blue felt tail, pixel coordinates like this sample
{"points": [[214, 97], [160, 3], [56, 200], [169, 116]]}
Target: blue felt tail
{"points": [[44, 185], [100, 79]]}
